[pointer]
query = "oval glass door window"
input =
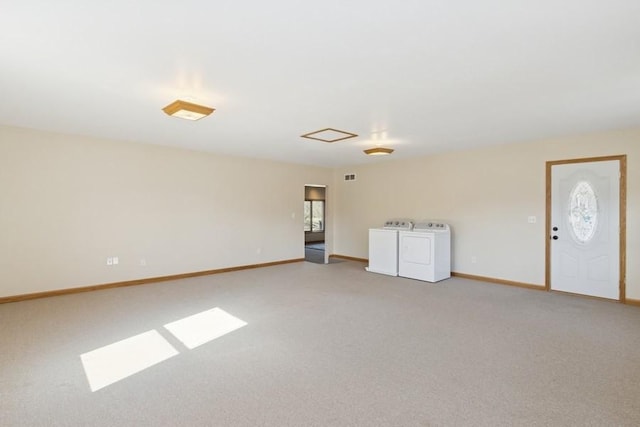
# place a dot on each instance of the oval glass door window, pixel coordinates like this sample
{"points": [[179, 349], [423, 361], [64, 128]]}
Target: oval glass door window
{"points": [[583, 212]]}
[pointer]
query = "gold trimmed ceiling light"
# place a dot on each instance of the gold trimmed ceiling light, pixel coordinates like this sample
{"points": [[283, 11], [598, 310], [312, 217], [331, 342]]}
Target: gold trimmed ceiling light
{"points": [[187, 110], [378, 151]]}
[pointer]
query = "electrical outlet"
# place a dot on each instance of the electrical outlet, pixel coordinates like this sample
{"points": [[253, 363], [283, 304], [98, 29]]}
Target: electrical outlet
{"points": [[109, 261], [259, 251], [532, 219], [143, 262], [474, 259], [115, 260]]}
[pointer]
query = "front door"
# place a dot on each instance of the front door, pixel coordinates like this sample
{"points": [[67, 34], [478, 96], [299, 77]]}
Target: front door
{"points": [[584, 228]]}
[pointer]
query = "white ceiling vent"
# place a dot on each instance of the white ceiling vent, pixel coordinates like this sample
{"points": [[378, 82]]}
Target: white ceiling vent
{"points": [[329, 135], [350, 177]]}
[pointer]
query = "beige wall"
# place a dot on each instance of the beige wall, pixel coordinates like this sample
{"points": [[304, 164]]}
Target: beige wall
{"points": [[70, 202], [486, 195], [67, 203]]}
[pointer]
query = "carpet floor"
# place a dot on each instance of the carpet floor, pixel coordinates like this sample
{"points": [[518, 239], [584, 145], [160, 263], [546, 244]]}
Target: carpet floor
{"points": [[325, 345]]}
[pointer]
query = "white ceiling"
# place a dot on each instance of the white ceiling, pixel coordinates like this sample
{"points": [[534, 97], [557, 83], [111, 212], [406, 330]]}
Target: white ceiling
{"points": [[419, 76]]}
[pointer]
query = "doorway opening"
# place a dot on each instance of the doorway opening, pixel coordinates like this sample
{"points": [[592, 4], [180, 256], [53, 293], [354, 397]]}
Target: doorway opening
{"points": [[315, 223]]}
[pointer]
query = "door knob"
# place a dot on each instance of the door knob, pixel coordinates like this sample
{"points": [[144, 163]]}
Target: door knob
{"points": [[555, 228], [555, 237]]}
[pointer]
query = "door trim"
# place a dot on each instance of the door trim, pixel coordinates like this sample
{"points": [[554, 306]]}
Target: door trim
{"points": [[622, 159]]}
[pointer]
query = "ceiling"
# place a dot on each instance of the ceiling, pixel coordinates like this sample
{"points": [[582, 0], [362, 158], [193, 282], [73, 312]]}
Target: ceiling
{"points": [[420, 77]]}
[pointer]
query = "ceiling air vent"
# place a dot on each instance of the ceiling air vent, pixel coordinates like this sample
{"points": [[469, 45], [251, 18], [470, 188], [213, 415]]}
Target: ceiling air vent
{"points": [[350, 177], [329, 135]]}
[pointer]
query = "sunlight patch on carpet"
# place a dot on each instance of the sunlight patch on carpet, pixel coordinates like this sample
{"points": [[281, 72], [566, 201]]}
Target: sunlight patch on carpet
{"points": [[193, 331], [114, 362]]}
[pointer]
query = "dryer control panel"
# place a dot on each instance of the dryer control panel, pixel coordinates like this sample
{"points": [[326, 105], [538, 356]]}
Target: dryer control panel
{"points": [[431, 226], [398, 224]]}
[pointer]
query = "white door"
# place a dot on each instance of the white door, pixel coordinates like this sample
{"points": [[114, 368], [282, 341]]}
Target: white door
{"points": [[585, 229]]}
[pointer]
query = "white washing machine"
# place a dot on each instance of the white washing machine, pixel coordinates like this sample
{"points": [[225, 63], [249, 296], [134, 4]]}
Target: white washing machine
{"points": [[383, 246], [425, 252]]}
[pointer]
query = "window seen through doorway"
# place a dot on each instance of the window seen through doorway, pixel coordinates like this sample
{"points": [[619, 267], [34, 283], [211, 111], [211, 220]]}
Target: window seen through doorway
{"points": [[314, 215]]}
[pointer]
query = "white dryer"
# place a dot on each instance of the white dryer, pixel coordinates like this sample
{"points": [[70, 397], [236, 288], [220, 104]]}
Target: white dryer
{"points": [[383, 246], [425, 252]]}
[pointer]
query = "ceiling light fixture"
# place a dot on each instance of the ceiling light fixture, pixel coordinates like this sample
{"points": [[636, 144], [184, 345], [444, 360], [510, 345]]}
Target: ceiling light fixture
{"points": [[187, 110], [378, 151]]}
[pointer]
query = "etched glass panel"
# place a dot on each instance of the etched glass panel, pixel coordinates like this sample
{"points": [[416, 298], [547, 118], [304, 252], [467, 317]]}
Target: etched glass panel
{"points": [[583, 212]]}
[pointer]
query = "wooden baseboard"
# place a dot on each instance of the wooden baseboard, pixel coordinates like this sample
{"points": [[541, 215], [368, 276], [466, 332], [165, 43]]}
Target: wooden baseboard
{"points": [[499, 281], [350, 258], [24, 297], [463, 275], [47, 294]]}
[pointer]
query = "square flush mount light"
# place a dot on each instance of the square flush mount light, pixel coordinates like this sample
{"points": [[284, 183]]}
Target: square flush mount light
{"points": [[187, 110], [378, 151]]}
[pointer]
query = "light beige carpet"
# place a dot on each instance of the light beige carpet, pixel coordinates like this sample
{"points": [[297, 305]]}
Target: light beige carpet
{"points": [[328, 345]]}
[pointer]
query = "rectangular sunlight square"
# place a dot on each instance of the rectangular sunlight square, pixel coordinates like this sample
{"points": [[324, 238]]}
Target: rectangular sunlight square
{"points": [[203, 327], [114, 362]]}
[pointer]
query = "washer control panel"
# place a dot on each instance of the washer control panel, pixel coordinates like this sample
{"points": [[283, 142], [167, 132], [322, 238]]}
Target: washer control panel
{"points": [[398, 224], [431, 226]]}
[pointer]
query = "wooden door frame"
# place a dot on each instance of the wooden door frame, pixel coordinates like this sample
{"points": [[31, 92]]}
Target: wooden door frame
{"points": [[622, 159]]}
